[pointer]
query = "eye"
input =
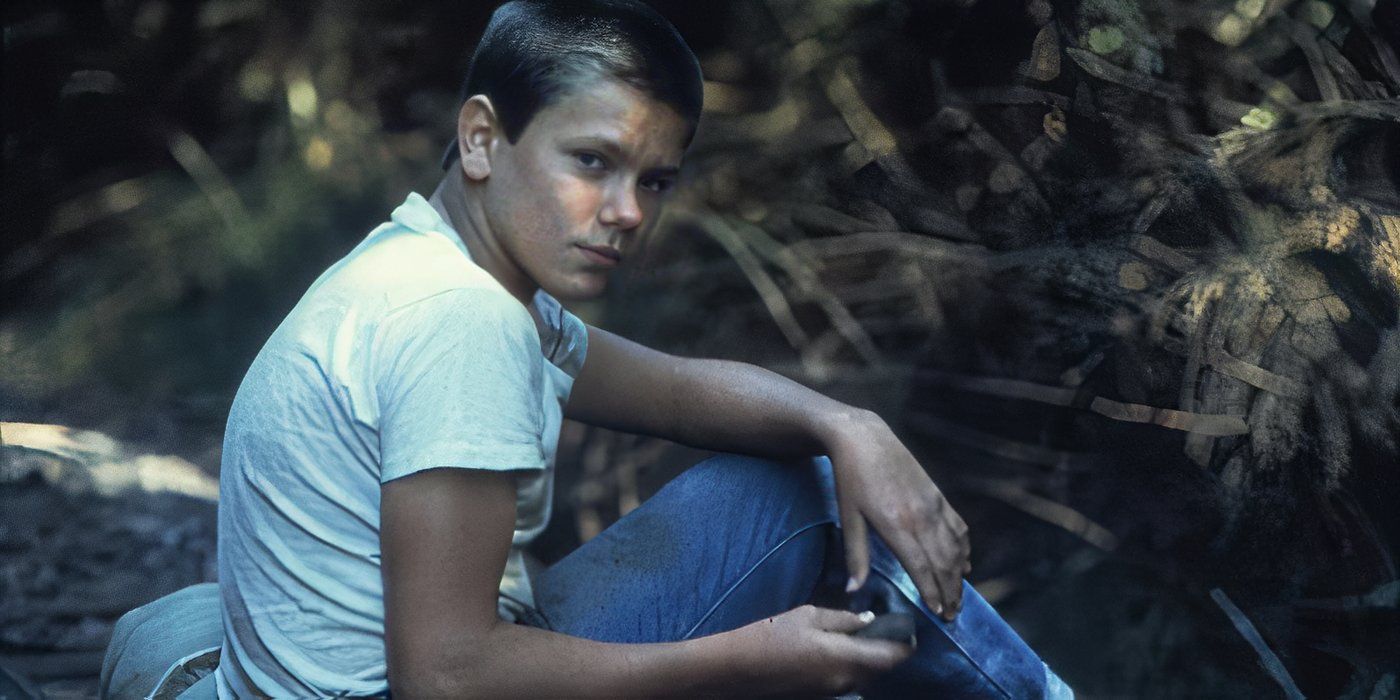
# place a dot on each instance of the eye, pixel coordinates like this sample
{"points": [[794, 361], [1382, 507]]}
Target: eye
{"points": [[659, 185], [590, 160]]}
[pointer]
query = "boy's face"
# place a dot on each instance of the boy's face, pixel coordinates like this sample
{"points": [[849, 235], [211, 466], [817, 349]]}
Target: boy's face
{"points": [[588, 176]]}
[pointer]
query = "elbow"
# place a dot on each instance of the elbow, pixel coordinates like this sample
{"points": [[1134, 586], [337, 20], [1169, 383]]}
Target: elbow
{"points": [[455, 668], [436, 681], [436, 685]]}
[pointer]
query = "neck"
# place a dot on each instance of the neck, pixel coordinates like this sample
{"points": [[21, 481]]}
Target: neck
{"points": [[459, 203]]}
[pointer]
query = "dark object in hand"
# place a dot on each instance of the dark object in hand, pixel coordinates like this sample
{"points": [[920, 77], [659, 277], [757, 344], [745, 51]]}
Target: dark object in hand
{"points": [[895, 627]]}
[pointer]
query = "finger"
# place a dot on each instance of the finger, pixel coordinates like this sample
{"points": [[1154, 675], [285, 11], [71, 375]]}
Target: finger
{"points": [[915, 558], [948, 560], [951, 583], [873, 654], [944, 541], [962, 562], [853, 529], [958, 568], [841, 621]]}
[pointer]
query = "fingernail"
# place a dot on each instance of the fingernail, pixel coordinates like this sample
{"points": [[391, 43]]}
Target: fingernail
{"points": [[852, 585], [866, 617], [938, 610]]}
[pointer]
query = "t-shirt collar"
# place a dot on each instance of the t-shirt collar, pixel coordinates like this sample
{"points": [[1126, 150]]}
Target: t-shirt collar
{"points": [[418, 213]]}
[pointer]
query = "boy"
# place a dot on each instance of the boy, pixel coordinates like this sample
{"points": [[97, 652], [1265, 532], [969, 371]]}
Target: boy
{"points": [[390, 451]]}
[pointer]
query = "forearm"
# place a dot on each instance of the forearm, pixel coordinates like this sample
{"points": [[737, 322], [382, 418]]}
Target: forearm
{"points": [[711, 404], [738, 407], [517, 661]]}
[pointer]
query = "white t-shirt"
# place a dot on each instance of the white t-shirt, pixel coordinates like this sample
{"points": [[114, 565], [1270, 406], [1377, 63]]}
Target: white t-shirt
{"points": [[403, 356]]}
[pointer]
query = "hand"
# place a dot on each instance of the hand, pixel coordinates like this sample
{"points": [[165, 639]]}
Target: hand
{"points": [[879, 481], [810, 650]]}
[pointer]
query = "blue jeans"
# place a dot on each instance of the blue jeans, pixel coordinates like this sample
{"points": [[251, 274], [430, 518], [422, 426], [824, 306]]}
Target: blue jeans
{"points": [[736, 539], [732, 540]]}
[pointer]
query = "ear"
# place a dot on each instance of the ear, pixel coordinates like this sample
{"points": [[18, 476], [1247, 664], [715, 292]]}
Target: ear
{"points": [[477, 132]]}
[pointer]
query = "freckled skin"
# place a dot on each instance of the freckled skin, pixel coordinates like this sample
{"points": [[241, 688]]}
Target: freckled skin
{"points": [[559, 186]]}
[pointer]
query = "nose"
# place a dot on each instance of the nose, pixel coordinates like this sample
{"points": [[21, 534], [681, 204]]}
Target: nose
{"points": [[621, 209]]}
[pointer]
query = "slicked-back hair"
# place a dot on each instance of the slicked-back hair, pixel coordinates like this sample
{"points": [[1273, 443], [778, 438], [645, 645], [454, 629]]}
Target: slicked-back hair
{"points": [[535, 51]]}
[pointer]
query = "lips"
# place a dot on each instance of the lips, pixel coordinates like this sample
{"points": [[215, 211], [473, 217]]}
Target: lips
{"points": [[602, 254]]}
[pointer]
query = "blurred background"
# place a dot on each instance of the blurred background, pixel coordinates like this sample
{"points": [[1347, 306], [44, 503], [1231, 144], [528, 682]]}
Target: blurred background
{"points": [[1124, 275]]}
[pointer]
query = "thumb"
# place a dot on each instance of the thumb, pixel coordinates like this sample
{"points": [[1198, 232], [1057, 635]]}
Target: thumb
{"points": [[841, 621], [857, 547]]}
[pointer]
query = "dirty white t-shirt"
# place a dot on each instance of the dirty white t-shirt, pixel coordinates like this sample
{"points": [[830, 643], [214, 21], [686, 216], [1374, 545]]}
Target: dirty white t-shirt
{"points": [[403, 356]]}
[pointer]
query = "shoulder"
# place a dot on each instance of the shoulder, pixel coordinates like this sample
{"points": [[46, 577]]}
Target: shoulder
{"points": [[458, 338], [403, 266], [462, 309]]}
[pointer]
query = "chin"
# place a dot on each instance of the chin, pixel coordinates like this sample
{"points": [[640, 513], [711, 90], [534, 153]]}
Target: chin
{"points": [[583, 288]]}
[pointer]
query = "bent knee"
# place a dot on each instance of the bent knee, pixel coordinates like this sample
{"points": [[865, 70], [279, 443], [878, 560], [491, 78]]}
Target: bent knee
{"points": [[759, 482]]}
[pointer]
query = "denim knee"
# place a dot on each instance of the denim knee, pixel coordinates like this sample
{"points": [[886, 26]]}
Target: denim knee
{"points": [[802, 487], [731, 538]]}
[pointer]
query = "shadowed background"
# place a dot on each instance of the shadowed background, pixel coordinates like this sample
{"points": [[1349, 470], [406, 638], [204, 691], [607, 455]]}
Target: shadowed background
{"points": [[1123, 275]]}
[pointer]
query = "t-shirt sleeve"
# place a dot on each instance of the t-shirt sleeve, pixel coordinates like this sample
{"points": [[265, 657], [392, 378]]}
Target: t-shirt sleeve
{"points": [[457, 383], [567, 341]]}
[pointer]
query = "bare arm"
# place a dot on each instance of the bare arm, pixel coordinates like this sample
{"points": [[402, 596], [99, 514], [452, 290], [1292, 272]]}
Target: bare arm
{"points": [[445, 535], [711, 404], [737, 407]]}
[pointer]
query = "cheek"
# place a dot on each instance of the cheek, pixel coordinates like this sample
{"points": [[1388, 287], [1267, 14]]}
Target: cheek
{"points": [[566, 204], [552, 207]]}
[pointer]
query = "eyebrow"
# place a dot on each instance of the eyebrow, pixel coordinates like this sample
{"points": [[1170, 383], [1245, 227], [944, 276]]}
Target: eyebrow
{"points": [[612, 148]]}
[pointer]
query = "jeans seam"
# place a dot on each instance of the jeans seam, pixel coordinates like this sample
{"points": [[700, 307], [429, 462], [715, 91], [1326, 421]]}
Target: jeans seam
{"points": [[730, 590], [956, 644]]}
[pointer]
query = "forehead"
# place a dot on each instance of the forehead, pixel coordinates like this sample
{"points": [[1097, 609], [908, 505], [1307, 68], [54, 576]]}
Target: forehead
{"points": [[613, 111]]}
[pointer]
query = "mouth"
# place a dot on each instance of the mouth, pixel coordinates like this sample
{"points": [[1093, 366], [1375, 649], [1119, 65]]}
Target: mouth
{"points": [[602, 255]]}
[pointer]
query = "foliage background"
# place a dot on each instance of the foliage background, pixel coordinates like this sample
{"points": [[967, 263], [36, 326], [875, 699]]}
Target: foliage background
{"points": [[1123, 274]]}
